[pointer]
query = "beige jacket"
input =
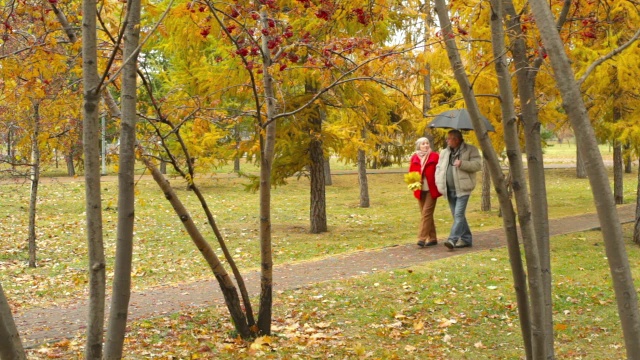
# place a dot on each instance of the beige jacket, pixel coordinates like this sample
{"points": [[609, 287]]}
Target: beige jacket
{"points": [[464, 176]]}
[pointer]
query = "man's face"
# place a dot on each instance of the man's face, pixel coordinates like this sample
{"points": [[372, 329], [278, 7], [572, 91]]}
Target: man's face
{"points": [[452, 141]]}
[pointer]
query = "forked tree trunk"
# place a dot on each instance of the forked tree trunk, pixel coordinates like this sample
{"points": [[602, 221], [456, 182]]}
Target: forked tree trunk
{"points": [[618, 191], [539, 335], [525, 75], [92, 168], [10, 344], [362, 176], [35, 181], [121, 291], [485, 204], [224, 280], [508, 218], [626, 295]]}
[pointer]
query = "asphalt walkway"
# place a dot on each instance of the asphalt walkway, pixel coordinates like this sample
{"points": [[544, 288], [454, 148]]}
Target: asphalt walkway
{"points": [[41, 325]]}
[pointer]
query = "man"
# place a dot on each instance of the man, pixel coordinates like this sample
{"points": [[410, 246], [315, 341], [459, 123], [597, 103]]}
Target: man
{"points": [[456, 178]]}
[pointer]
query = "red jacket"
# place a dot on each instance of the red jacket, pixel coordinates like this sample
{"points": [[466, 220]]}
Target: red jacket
{"points": [[428, 171]]}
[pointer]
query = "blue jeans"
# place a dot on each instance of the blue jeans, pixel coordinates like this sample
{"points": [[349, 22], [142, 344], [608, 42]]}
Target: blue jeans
{"points": [[460, 228]]}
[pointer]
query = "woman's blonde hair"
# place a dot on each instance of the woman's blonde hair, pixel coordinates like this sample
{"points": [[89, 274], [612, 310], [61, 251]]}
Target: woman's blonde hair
{"points": [[420, 141]]}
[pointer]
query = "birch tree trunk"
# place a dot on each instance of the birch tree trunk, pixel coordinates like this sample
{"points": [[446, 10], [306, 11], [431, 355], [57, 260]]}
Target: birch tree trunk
{"points": [[508, 213], [519, 185], [91, 132], [121, 292], [626, 296], [426, 80], [525, 76], [267, 149], [35, 181], [10, 344]]}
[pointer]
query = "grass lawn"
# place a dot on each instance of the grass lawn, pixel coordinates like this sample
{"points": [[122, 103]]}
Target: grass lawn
{"points": [[461, 307], [164, 254]]}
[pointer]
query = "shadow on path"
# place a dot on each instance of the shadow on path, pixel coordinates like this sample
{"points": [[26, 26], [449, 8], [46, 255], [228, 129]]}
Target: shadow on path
{"points": [[40, 325]]}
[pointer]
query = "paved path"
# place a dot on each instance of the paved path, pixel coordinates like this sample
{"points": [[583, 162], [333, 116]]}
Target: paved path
{"points": [[45, 324]]}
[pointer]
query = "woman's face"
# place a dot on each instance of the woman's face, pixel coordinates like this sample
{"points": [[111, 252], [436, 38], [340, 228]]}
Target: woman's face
{"points": [[424, 146]]}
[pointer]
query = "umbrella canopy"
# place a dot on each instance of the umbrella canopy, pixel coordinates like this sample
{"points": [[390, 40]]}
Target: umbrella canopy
{"points": [[458, 119]]}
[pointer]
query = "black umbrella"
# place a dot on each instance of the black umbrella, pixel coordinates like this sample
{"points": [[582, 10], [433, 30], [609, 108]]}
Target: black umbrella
{"points": [[458, 119]]}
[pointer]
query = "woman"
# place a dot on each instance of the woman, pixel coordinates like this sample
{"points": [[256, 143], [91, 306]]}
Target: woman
{"points": [[424, 161]]}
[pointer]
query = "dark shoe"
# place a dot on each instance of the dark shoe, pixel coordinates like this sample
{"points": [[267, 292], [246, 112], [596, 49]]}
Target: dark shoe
{"points": [[421, 243], [462, 244], [450, 244], [431, 243]]}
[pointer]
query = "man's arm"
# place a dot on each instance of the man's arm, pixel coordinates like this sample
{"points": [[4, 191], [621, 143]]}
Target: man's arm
{"points": [[474, 164]]}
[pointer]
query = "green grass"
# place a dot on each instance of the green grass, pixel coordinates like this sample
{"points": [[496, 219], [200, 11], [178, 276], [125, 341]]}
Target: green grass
{"points": [[461, 307], [164, 254]]}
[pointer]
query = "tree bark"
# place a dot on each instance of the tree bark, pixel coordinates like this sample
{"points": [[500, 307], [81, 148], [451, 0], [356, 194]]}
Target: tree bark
{"points": [[35, 181], [327, 171], [626, 296], [508, 218], [121, 291], [91, 131], [68, 159], [318, 203], [362, 179], [10, 344], [426, 80], [525, 76], [581, 172], [485, 204], [636, 228], [618, 191], [267, 149], [519, 185]]}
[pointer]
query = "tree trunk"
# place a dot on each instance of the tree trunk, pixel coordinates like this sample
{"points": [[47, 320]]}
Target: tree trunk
{"points": [[525, 75], [91, 131], [236, 160], [318, 203], [581, 172], [10, 344], [327, 171], [626, 296], [618, 191], [362, 179], [519, 185], [426, 80], [224, 280], [35, 181], [485, 205], [68, 159], [508, 218], [267, 149], [627, 158], [636, 228], [121, 291]]}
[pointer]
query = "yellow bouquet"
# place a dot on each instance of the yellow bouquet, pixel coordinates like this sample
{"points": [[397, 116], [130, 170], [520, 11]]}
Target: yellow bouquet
{"points": [[413, 180]]}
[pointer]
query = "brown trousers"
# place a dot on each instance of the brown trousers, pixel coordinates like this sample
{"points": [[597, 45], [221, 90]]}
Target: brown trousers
{"points": [[427, 228]]}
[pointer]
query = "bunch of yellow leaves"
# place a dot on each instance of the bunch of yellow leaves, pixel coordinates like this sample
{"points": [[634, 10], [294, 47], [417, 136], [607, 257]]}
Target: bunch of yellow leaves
{"points": [[413, 180]]}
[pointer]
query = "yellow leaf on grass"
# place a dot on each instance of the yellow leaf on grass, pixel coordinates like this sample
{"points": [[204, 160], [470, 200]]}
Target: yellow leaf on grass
{"points": [[560, 327], [261, 342]]}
